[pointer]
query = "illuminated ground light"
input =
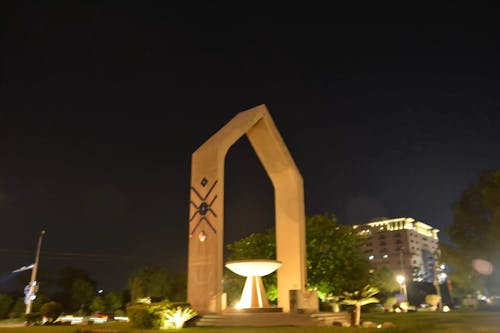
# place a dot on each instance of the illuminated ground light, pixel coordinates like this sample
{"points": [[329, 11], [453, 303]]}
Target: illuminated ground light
{"points": [[175, 318], [253, 295]]}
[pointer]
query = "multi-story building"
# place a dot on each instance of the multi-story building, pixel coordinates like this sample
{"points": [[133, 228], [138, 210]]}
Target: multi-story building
{"points": [[403, 245]]}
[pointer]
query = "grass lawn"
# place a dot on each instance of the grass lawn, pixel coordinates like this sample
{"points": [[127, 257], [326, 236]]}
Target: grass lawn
{"points": [[430, 322], [421, 322]]}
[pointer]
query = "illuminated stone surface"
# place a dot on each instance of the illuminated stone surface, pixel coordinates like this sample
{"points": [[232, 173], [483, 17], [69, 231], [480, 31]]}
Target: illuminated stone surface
{"points": [[205, 258]]}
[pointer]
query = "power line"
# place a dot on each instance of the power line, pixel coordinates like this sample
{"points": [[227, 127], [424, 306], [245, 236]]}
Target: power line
{"points": [[77, 256]]}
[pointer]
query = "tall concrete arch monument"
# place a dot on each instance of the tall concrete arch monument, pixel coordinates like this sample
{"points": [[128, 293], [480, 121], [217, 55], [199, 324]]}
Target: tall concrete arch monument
{"points": [[206, 225]]}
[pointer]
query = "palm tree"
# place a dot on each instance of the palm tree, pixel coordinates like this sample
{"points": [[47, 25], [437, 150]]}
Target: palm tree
{"points": [[358, 299]]}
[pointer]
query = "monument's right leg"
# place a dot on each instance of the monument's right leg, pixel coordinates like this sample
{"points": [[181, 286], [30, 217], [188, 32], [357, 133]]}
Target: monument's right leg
{"points": [[290, 234]]}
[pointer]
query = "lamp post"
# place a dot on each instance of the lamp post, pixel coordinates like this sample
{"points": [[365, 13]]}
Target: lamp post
{"points": [[435, 280], [32, 287], [401, 278], [402, 285]]}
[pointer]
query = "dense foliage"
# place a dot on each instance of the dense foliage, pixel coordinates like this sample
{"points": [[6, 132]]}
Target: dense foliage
{"points": [[385, 280], [158, 283], [77, 293], [75, 288], [334, 260], [51, 311], [154, 315], [255, 246], [6, 302], [474, 234], [110, 303], [82, 293]]}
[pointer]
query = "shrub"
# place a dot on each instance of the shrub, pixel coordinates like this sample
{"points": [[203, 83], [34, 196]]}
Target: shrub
{"points": [[374, 307], [51, 310], [154, 315], [140, 316], [176, 317], [33, 318]]}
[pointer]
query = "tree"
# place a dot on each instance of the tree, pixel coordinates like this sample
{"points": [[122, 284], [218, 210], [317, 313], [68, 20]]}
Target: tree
{"points": [[82, 293], [476, 216], [150, 282], [6, 302], [358, 299], [19, 307], [465, 280], [334, 261], [65, 280], [384, 280], [113, 301], [255, 246], [178, 287], [97, 304], [474, 234], [108, 303]]}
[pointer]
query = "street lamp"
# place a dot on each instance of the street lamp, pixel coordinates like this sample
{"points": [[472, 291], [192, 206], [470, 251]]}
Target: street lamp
{"points": [[401, 280], [435, 280], [401, 277], [31, 289]]}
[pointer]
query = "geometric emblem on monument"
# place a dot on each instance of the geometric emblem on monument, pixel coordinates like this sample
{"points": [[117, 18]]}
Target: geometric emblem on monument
{"points": [[202, 205]]}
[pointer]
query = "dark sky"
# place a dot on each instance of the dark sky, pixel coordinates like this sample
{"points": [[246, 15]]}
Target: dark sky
{"points": [[102, 105]]}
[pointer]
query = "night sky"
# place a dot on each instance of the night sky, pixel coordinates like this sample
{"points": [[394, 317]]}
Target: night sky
{"points": [[101, 107]]}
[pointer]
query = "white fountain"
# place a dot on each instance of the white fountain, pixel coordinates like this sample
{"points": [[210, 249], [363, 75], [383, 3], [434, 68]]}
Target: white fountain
{"points": [[254, 294]]}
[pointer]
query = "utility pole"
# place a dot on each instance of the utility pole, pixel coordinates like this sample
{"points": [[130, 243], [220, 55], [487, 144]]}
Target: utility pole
{"points": [[32, 287]]}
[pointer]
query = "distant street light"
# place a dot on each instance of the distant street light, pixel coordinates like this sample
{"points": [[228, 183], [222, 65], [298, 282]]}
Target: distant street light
{"points": [[402, 285], [435, 280], [401, 277], [32, 288]]}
